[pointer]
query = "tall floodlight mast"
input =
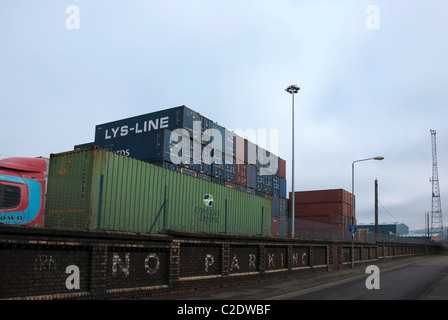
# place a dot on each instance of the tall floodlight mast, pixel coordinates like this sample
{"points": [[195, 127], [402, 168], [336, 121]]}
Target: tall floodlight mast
{"points": [[436, 211]]}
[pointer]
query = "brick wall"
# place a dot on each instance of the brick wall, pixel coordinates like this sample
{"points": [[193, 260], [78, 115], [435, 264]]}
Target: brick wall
{"points": [[39, 263]]}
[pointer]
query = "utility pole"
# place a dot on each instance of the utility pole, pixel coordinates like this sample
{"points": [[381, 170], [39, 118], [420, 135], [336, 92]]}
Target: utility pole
{"points": [[293, 89], [376, 208]]}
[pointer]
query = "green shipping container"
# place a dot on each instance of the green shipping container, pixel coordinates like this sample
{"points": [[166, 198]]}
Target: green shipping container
{"points": [[97, 189]]}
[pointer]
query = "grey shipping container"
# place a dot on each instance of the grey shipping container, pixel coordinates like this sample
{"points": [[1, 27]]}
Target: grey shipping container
{"points": [[279, 207], [251, 177]]}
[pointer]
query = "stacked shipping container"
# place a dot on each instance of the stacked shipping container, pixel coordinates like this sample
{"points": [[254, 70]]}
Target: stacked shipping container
{"points": [[182, 140], [323, 207]]}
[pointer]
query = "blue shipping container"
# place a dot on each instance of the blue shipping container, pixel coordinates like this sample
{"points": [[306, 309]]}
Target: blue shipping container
{"points": [[229, 168], [283, 228], [147, 137], [276, 207], [279, 207], [284, 207], [218, 181], [84, 145], [204, 177], [276, 185], [282, 188], [171, 119], [195, 125], [158, 146], [218, 171], [251, 191], [168, 165], [220, 139], [262, 159]]}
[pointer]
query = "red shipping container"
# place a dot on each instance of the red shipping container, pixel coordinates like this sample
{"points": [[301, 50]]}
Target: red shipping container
{"points": [[337, 208], [332, 219], [347, 197], [347, 210], [282, 168], [241, 175], [230, 184], [323, 209], [318, 209], [322, 196]]}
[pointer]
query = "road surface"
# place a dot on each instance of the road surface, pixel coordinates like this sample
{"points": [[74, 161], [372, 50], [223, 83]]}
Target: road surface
{"points": [[410, 278], [423, 279]]}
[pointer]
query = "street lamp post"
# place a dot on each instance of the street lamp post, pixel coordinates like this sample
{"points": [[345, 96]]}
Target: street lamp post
{"points": [[353, 201], [293, 89]]}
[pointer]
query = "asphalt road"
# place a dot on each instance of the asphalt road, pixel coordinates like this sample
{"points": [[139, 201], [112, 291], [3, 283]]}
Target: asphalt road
{"points": [[413, 281], [410, 278]]}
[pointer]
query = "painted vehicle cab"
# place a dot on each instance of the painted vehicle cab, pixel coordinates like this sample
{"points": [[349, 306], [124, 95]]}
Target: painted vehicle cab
{"points": [[22, 191]]}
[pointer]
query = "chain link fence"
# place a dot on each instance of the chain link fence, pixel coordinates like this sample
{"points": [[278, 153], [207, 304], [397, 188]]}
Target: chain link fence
{"points": [[306, 229], [336, 229]]}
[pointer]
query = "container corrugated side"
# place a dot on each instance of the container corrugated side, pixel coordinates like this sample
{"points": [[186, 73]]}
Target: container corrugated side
{"points": [[276, 185], [321, 196], [97, 189], [136, 137], [282, 188], [282, 168], [229, 168], [318, 209], [241, 174], [251, 152], [160, 146], [279, 207], [336, 220], [69, 190], [251, 176]]}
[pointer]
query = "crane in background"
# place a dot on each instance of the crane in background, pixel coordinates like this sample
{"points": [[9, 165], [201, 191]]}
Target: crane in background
{"points": [[436, 210]]}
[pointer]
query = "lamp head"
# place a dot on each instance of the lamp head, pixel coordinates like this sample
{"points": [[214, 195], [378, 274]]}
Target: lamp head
{"points": [[292, 89]]}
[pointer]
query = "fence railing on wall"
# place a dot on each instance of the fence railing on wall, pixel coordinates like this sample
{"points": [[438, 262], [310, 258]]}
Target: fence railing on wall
{"points": [[339, 230]]}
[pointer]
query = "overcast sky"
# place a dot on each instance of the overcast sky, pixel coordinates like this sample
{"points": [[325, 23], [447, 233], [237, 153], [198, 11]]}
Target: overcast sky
{"points": [[373, 78]]}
